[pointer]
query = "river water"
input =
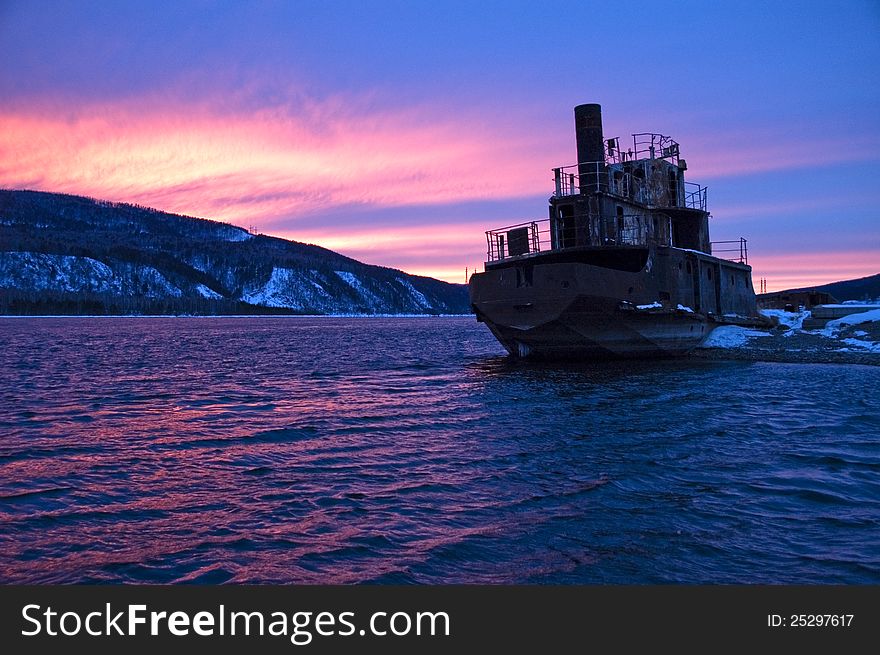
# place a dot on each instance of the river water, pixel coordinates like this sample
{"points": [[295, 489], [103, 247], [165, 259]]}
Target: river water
{"points": [[411, 450]]}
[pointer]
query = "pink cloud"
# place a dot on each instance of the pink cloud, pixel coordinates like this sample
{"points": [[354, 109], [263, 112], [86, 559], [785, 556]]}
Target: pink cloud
{"points": [[255, 165], [437, 250], [803, 269]]}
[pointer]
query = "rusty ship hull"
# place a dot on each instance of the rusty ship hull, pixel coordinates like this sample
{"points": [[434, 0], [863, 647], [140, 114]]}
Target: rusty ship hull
{"points": [[585, 330], [538, 307], [623, 265]]}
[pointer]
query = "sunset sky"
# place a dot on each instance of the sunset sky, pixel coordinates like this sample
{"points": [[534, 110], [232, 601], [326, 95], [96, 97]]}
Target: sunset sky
{"points": [[398, 132]]}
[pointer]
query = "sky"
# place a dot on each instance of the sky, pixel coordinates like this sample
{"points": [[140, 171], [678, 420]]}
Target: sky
{"points": [[399, 132]]}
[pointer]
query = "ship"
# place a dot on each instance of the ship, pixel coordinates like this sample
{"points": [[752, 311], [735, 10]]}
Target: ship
{"points": [[623, 265]]}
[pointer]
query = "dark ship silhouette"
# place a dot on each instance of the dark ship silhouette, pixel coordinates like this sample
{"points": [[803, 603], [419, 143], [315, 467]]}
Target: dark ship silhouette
{"points": [[623, 266]]}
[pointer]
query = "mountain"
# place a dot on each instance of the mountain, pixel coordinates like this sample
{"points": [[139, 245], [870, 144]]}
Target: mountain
{"points": [[863, 288], [69, 254]]}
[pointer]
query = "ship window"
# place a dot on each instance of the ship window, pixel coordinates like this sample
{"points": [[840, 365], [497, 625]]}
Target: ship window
{"points": [[569, 233], [567, 236], [673, 188], [689, 269], [709, 273], [679, 265], [732, 281]]}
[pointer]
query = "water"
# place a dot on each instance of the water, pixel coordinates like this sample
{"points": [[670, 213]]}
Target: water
{"points": [[409, 450]]}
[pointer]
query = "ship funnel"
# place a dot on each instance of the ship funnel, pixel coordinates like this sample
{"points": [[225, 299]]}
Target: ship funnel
{"points": [[590, 145]]}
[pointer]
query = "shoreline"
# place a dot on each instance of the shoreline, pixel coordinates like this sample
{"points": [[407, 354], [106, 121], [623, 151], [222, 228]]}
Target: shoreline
{"points": [[746, 354], [847, 343], [2, 316]]}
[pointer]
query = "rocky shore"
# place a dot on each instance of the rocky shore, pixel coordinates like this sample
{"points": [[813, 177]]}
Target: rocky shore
{"points": [[836, 344]]}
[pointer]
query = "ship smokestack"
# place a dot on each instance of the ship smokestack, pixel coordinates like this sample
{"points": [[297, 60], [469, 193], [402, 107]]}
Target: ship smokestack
{"points": [[590, 145]]}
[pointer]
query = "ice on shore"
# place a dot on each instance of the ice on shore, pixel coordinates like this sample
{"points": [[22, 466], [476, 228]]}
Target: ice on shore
{"points": [[855, 319], [861, 346], [791, 320], [731, 336]]}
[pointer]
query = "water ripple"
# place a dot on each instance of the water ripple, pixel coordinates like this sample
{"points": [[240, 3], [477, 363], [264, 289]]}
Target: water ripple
{"points": [[404, 451]]}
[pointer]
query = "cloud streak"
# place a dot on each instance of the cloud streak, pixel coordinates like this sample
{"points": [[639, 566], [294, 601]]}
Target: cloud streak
{"points": [[438, 249], [266, 164], [786, 270]]}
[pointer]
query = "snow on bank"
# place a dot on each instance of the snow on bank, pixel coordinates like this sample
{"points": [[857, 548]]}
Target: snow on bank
{"points": [[860, 346], [854, 319], [837, 336], [792, 320], [731, 336], [833, 329]]}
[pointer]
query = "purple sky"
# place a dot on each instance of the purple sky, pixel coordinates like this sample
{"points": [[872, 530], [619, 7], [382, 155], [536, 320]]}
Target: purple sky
{"points": [[398, 132]]}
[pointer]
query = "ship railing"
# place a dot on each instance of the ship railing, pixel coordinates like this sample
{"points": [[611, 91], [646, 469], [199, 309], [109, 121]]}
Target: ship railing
{"points": [[650, 145], [646, 145], [567, 181], [517, 240], [736, 250], [533, 237], [695, 196], [590, 177]]}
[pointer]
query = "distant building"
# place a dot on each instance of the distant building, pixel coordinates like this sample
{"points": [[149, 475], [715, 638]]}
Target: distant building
{"points": [[791, 300]]}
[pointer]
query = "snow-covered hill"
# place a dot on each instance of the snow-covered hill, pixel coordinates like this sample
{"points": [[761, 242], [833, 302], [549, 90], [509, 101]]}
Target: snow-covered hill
{"points": [[69, 253], [70, 274]]}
